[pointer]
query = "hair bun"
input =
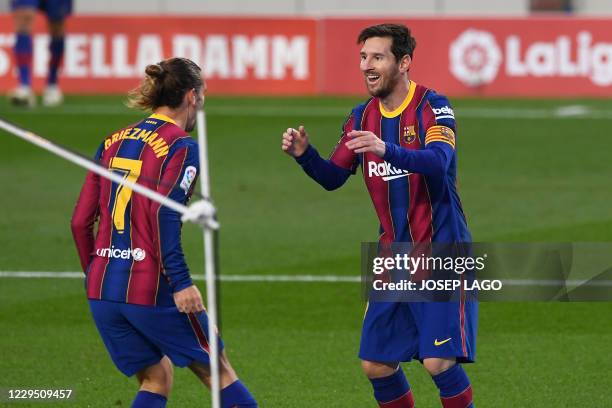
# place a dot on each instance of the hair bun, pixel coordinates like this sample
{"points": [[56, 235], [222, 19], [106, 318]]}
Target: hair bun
{"points": [[155, 71]]}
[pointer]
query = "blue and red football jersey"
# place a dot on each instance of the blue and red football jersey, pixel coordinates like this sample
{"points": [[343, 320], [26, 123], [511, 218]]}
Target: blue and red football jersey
{"points": [[413, 187], [136, 256]]}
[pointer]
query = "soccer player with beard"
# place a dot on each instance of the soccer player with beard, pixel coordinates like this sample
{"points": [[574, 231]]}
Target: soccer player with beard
{"points": [[403, 138], [142, 299]]}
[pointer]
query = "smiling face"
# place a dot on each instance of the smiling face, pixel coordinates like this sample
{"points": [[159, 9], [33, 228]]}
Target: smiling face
{"points": [[381, 69]]}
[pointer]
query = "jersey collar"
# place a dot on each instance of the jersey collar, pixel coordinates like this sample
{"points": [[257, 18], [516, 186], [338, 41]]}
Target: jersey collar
{"points": [[399, 109], [162, 117]]}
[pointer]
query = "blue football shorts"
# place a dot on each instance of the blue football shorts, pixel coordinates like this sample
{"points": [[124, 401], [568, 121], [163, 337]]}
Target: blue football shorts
{"points": [[56, 10], [138, 336], [400, 331]]}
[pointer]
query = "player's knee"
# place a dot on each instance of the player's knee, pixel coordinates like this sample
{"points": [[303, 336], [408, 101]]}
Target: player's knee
{"points": [[227, 375], [168, 372], [24, 20], [56, 28], [435, 366], [374, 369], [157, 378]]}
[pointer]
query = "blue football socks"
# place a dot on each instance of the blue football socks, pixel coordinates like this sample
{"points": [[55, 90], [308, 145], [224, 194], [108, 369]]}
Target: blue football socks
{"points": [[23, 54], [56, 49], [237, 395], [393, 391], [455, 388], [146, 399]]}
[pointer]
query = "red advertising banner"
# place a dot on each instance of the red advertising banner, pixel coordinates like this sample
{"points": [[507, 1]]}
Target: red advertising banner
{"points": [[552, 57], [544, 57], [107, 54]]}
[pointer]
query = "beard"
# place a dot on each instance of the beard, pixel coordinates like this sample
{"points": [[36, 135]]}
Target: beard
{"points": [[385, 86]]}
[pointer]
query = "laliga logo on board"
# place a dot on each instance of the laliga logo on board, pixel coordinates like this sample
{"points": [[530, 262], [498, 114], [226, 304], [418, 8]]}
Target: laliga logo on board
{"points": [[475, 58]]}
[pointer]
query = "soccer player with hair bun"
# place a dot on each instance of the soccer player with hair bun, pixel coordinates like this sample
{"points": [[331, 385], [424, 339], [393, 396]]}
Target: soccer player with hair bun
{"points": [[147, 310], [404, 140]]}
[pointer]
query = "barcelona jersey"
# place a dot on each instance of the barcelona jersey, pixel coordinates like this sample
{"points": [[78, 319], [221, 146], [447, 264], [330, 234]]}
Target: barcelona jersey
{"points": [[414, 195], [136, 255], [414, 192]]}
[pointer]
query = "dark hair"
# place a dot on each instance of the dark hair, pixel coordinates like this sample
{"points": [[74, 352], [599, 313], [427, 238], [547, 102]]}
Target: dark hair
{"points": [[165, 84], [402, 42]]}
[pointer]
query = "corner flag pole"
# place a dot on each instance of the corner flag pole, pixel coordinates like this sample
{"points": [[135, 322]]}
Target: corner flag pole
{"points": [[209, 265]]}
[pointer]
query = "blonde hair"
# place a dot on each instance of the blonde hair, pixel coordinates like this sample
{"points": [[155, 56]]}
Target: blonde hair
{"points": [[165, 84]]}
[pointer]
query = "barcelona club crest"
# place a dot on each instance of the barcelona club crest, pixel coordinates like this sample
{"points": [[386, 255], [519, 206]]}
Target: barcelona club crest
{"points": [[447, 133], [409, 134]]}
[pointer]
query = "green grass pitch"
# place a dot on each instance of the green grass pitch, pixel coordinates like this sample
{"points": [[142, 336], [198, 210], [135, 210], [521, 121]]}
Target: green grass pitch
{"points": [[524, 175]]}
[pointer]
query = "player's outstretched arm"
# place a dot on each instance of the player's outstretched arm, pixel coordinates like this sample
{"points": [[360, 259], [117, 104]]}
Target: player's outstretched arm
{"points": [[433, 160], [329, 175]]}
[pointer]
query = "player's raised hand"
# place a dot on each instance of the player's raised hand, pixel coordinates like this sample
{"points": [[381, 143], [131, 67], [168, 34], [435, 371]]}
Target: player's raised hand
{"points": [[363, 141], [295, 142], [189, 300]]}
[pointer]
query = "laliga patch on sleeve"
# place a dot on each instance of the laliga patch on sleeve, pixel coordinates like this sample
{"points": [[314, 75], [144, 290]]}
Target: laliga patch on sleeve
{"points": [[188, 177]]}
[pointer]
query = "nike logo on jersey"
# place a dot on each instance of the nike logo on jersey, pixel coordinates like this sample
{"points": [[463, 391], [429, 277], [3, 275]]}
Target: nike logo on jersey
{"points": [[439, 343], [387, 178], [386, 171]]}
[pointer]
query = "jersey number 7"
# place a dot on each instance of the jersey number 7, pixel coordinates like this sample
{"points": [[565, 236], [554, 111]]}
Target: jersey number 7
{"points": [[130, 169]]}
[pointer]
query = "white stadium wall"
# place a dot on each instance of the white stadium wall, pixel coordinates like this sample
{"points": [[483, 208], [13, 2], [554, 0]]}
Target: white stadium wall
{"points": [[305, 7], [322, 7], [329, 7], [594, 7]]}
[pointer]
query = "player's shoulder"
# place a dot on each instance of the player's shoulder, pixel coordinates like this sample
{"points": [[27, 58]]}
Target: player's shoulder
{"points": [[186, 143], [438, 106], [167, 129], [434, 99], [115, 137], [353, 119], [100, 151], [186, 140], [359, 109]]}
